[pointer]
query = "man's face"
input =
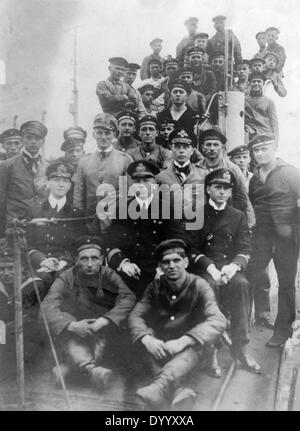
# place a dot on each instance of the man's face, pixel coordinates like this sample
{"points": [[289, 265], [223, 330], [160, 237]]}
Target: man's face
{"points": [[147, 98], [264, 154], [155, 70], [243, 72], [143, 187], [12, 147], [257, 85], [32, 143], [148, 134], [257, 66], [271, 37], [171, 69], [213, 149], [116, 72], [89, 261], [219, 193], [191, 27], [242, 160], [7, 270], [178, 96], [59, 186], [126, 128], [156, 47], [271, 62], [173, 265], [129, 76], [219, 25], [187, 77], [104, 137], [74, 154], [200, 43], [181, 152], [195, 60], [165, 131], [218, 63], [261, 40]]}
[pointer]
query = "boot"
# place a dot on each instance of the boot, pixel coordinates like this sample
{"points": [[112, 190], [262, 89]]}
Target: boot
{"points": [[264, 319], [240, 353], [101, 378], [153, 395], [184, 399]]}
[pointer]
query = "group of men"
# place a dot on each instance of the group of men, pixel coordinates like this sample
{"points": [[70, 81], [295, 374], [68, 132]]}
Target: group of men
{"points": [[151, 243]]}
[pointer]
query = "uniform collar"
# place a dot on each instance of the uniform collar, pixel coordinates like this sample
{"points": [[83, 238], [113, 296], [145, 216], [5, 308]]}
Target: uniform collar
{"points": [[57, 203], [215, 206], [28, 155], [144, 203], [108, 150]]}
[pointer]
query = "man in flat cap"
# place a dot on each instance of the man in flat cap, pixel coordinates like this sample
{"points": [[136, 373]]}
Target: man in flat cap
{"points": [[213, 147], [49, 242], [260, 111], [240, 156], [273, 46], [129, 78], [274, 191], [23, 184], [127, 124], [188, 41], [221, 251], [149, 93], [257, 64], [132, 238], [73, 145], [200, 41], [86, 308], [172, 327], [274, 78], [242, 82], [11, 140], [217, 42], [149, 149], [262, 43], [156, 46], [113, 93], [105, 165]]}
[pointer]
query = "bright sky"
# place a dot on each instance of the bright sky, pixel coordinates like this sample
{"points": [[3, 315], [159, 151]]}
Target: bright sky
{"points": [[124, 28]]}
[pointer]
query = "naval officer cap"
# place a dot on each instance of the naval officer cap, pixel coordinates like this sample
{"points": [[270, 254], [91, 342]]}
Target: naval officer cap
{"points": [[212, 133], [105, 121], [256, 75], [259, 140], [87, 242], [59, 168], [118, 61], [237, 151], [35, 128], [10, 134], [170, 246], [181, 136], [142, 169], [73, 136], [220, 176]]}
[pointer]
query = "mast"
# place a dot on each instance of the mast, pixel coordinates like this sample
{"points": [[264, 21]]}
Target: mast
{"points": [[74, 106]]}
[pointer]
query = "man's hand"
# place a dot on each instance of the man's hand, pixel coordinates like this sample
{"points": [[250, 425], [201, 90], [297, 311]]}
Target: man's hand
{"points": [[83, 328], [130, 269], [228, 271], [155, 347], [100, 324], [215, 274], [48, 265], [178, 345]]}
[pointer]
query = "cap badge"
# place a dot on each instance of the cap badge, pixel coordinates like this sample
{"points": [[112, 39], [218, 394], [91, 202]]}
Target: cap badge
{"points": [[140, 168], [226, 176]]}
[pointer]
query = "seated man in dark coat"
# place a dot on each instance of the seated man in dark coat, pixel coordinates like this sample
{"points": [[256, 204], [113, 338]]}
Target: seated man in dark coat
{"points": [[221, 252], [86, 308], [171, 326]]}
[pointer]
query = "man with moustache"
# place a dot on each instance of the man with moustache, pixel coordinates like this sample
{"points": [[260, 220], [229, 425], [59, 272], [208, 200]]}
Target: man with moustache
{"points": [[127, 123], [11, 140]]}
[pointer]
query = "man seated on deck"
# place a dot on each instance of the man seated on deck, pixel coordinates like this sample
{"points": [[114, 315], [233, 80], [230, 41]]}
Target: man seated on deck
{"points": [[172, 325], [86, 308]]}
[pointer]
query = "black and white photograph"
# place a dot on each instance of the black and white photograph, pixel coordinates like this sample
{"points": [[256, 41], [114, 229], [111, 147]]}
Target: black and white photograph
{"points": [[149, 208]]}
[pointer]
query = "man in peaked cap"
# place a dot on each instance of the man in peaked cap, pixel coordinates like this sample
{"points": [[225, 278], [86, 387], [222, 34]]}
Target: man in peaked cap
{"points": [[98, 302], [113, 93], [23, 184], [132, 237], [275, 195], [165, 128], [156, 46], [127, 124], [172, 334], [262, 43], [200, 41], [129, 78], [272, 46], [105, 165], [11, 140], [217, 61], [213, 147], [260, 111], [241, 157], [242, 82], [257, 64], [273, 76], [188, 41], [222, 260], [73, 145], [217, 42], [149, 149]]}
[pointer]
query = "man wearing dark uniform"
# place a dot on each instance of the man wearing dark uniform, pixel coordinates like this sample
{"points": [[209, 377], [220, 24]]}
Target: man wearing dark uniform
{"points": [[221, 252], [272, 46], [172, 326], [127, 123], [156, 46], [187, 42], [86, 308], [240, 156], [11, 140]]}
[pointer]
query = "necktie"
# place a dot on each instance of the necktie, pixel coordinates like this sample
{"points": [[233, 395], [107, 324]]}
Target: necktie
{"points": [[183, 172]]}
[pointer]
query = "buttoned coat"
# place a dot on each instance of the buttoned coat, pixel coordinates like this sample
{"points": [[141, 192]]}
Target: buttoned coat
{"points": [[159, 155]]}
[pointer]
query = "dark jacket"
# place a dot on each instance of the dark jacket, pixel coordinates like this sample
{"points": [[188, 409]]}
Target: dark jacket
{"points": [[224, 239], [160, 156], [186, 121], [217, 43], [70, 300], [193, 312]]}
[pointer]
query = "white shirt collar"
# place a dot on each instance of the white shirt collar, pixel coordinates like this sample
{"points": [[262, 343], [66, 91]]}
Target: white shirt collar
{"points": [[54, 202], [217, 207], [181, 166], [144, 203], [30, 155], [108, 150]]}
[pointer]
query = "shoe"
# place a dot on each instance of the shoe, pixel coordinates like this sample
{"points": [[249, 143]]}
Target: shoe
{"points": [[277, 340], [65, 370], [264, 319], [184, 399], [152, 395], [101, 378], [241, 354]]}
